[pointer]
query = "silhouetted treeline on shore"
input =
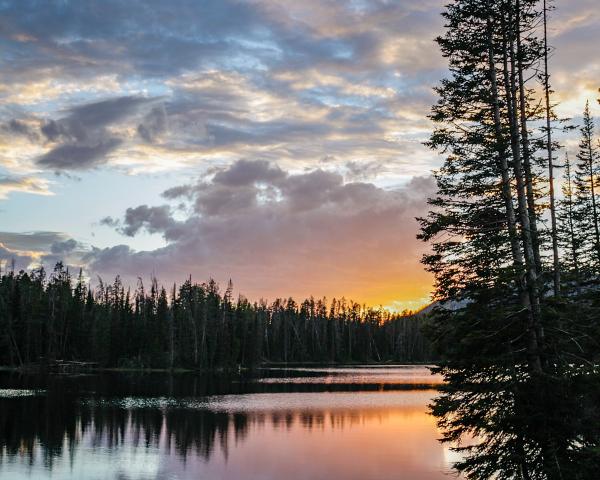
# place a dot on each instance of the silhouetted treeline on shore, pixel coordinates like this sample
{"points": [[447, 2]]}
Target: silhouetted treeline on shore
{"points": [[196, 326]]}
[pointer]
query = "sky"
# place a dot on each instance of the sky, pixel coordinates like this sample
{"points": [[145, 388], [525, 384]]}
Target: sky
{"points": [[278, 144]]}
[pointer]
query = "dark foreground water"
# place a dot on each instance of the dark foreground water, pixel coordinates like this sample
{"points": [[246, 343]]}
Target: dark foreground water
{"points": [[313, 423]]}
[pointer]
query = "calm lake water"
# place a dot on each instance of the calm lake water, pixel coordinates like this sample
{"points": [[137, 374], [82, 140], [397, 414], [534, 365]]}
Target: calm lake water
{"points": [[304, 423]]}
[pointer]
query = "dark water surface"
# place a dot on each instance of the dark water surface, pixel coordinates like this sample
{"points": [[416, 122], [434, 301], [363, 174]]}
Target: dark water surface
{"points": [[358, 423]]}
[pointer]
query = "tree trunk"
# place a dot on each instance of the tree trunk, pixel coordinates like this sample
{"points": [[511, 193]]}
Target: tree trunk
{"points": [[526, 146], [572, 239], [555, 255], [534, 326], [593, 193]]}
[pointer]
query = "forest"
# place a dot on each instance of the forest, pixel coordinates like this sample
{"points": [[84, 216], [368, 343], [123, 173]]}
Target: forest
{"points": [[521, 356], [196, 326]]}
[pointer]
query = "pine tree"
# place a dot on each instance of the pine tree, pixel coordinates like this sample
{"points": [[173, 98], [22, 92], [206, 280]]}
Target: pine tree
{"points": [[570, 236], [506, 347], [587, 194]]}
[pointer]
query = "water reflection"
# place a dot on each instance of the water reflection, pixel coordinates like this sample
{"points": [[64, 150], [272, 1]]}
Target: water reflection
{"points": [[70, 434], [386, 377]]}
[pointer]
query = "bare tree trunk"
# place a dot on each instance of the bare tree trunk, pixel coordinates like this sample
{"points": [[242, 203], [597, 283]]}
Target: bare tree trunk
{"points": [[503, 160], [172, 330], [526, 146], [203, 340], [530, 267], [594, 206], [555, 254], [572, 239]]}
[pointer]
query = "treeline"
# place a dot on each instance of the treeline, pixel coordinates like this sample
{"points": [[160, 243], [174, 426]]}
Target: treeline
{"points": [[521, 356], [193, 326]]}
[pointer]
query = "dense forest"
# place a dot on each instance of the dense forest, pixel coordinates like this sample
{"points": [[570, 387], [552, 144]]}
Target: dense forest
{"points": [[194, 326], [521, 356]]}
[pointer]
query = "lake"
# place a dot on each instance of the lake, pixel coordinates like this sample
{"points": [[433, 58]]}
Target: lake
{"points": [[355, 423]]}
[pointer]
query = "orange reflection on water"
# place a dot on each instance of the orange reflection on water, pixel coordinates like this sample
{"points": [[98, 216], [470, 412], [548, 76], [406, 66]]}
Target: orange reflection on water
{"points": [[370, 423], [381, 442]]}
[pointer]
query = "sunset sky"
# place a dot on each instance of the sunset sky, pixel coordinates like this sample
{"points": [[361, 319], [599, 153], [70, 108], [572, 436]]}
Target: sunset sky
{"points": [[276, 143]]}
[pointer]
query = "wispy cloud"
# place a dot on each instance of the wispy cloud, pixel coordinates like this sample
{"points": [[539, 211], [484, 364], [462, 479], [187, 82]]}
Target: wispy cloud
{"points": [[36, 186]]}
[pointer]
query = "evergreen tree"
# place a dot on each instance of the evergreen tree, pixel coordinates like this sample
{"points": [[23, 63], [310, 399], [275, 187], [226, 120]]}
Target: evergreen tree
{"points": [[570, 234], [508, 357], [587, 194], [197, 328]]}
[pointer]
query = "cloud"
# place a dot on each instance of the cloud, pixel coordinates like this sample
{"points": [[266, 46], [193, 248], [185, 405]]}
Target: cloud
{"points": [[244, 172], [152, 219], [278, 80], [268, 87], [281, 233], [24, 249], [78, 157], [229, 75], [360, 171], [177, 192], [84, 140], [10, 258], [31, 241], [29, 249], [109, 222], [21, 128], [154, 124], [63, 247], [24, 184], [86, 120]]}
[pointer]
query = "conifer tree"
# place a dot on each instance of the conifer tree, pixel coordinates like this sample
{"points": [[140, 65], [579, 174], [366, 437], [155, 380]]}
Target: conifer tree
{"points": [[570, 235], [587, 193], [506, 345]]}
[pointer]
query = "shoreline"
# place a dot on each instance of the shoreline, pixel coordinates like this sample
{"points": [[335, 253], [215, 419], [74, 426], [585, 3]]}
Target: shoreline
{"points": [[37, 369]]}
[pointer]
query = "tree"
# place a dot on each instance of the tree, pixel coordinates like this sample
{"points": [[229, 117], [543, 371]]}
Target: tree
{"points": [[548, 108], [197, 328], [570, 235], [587, 193], [507, 348]]}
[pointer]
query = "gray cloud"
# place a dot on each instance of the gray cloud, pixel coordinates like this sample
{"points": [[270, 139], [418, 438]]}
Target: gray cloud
{"points": [[85, 120], [350, 233], [40, 248], [244, 172], [178, 191], [232, 73], [34, 241], [66, 246], [360, 171], [109, 222], [154, 124], [18, 127], [152, 219], [85, 140], [78, 157]]}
